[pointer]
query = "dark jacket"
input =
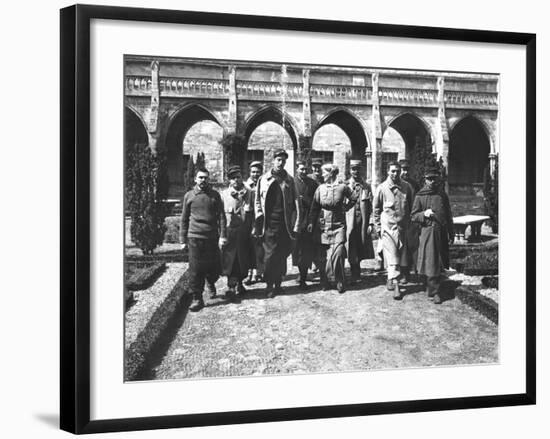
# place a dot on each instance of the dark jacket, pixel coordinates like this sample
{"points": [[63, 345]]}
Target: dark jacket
{"points": [[202, 216], [433, 248], [290, 202], [305, 189]]}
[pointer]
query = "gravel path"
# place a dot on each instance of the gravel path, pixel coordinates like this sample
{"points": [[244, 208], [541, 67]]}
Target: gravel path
{"points": [[320, 331]]}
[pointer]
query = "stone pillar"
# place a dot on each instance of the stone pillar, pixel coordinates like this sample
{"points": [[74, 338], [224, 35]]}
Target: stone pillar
{"points": [[442, 131], [368, 167], [377, 132], [152, 112], [304, 149], [232, 109], [493, 157], [305, 142]]}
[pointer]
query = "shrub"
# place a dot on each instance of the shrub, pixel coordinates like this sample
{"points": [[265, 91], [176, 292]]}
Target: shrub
{"points": [[146, 188], [234, 148]]}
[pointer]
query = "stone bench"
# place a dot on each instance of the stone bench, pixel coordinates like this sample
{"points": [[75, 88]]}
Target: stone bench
{"points": [[474, 221]]}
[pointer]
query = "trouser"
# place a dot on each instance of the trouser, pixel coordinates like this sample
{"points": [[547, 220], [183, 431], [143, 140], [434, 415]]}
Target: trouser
{"points": [[277, 247], [236, 276], [204, 263]]}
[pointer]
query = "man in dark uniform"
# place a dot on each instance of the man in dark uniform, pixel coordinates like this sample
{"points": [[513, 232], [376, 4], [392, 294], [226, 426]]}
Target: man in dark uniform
{"points": [[202, 224], [413, 230], [277, 219], [432, 212], [304, 251], [256, 272], [237, 253], [358, 222]]}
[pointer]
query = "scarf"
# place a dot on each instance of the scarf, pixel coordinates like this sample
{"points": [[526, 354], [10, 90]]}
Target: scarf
{"points": [[279, 175]]}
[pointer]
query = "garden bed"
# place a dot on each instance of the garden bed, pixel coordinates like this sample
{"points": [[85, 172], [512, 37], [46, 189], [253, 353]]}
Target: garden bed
{"points": [[475, 260], [142, 274]]}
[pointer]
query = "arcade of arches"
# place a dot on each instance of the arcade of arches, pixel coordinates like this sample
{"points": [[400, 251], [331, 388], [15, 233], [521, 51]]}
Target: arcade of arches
{"points": [[372, 115]]}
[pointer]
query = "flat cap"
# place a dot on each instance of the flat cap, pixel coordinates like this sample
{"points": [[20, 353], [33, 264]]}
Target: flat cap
{"points": [[317, 162], [432, 171], [233, 170], [280, 152], [355, 163], [404, 163], [256, 164]]}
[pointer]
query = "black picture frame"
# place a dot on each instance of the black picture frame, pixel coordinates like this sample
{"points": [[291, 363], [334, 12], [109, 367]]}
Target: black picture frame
{"points": [[75, 217]]}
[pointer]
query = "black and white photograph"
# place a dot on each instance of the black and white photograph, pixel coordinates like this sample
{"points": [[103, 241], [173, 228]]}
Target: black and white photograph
{"points": [[280, 218], [287, 218]]}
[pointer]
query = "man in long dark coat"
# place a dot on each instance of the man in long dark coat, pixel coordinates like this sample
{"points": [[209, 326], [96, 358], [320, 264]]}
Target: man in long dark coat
{"points": [[277, 219], [358, 222], [413, 231], [432, 211], [304, 250], [237, 253], [256, 272]]}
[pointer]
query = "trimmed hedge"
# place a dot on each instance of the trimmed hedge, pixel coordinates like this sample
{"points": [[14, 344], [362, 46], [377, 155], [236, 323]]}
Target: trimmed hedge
{"points": [[144, 277]]}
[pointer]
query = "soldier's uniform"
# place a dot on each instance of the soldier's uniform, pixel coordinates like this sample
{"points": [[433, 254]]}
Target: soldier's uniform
{"points": [[305, 249], [358, 220], [237, 253], [256, 271]]}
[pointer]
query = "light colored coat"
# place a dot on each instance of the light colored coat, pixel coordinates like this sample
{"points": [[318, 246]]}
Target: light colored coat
{"points": [[392, 211]]}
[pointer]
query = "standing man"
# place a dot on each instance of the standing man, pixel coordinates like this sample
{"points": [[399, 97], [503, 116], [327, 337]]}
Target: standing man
{"points": [[392, 208], [255, 274], [277, 220], [358, 222], [202, 230], [316, 173], [405, 167], [304, 250], [432, 211], [237, 253], [413, 231]]}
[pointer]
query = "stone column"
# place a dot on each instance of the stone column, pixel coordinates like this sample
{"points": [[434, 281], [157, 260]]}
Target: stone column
{"points": [[377, 132], [442, 131], [368, 167], [232, 103], [153, 110], [304, 149], [305, 142], [493, 157]]}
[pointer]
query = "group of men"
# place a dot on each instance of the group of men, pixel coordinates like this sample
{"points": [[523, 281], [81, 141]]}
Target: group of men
{"points": [[247, 231]]}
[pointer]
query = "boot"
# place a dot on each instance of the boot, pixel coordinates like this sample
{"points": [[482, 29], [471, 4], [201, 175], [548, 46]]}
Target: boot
{"points": [[197, 304], [302, 280], [340, 286], [269, 291], [241, 290], [397, 294], [249, 279], [355, 273], [211, 287], [230, 294], [389, 285]]}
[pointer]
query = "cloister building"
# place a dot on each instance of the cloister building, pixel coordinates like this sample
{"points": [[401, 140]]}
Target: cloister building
{"points": [[454, 115]]}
